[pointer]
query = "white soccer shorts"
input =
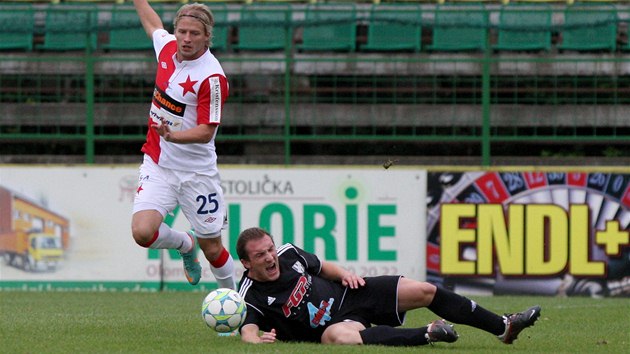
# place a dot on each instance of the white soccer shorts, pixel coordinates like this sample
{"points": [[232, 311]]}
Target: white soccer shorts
{"points": [[199, 195]]}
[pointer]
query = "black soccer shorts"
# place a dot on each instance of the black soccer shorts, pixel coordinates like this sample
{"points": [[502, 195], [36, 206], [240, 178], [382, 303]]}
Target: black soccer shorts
{"points": [[375, 303]]}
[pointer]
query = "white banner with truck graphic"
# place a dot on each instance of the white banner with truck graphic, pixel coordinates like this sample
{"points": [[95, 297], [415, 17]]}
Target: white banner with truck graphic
{"points": [[68, 227]]}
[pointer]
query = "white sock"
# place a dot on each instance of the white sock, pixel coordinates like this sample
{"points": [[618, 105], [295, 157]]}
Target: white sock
{"points": [[225, 274], [172, 239]]}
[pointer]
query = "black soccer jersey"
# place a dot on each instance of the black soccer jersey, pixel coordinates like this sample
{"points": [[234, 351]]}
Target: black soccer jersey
{"points": [[300, 304]]}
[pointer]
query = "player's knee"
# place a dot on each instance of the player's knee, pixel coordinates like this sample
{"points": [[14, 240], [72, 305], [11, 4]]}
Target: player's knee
{"points": [[341, 334], [339, 339], [142, 236], [414, 294], [332, 338], [427, 290]]}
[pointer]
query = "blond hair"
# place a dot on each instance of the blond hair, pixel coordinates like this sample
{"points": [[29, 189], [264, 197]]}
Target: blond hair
{"points": [[201, 13]]}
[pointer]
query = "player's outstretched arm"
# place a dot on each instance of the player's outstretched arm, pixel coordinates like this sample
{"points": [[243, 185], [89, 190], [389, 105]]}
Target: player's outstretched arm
{"points": [[249, 334], [150, 20]]}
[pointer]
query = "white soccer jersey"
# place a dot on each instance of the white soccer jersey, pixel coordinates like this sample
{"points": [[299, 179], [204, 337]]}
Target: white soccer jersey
{"points": [[186, 94]]}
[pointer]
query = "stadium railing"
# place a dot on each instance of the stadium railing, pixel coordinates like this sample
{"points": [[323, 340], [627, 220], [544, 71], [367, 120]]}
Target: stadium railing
{"points": [[432, 2], [85, 101]]}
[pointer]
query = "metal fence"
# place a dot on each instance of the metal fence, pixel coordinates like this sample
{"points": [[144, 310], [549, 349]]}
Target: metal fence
{"points": [[94, 101]]}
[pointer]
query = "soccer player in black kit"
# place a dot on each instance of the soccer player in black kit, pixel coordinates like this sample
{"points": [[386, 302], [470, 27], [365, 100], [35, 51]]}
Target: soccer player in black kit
{"points": [[292, 295]]}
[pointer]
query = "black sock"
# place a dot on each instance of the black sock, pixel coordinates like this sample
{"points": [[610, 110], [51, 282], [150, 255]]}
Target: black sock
{"points": [[386, 335], [458, 309]]}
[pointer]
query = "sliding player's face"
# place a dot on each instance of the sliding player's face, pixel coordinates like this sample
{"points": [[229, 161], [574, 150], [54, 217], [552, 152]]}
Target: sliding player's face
{"points": [[263, 259], [192, 39]]}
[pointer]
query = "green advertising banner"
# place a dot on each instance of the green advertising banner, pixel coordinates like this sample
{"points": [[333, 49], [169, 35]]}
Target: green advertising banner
{"points": [[69, 227]]}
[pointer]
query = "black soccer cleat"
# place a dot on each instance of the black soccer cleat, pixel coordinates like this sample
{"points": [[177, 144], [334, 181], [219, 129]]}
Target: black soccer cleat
{"points": [[440, 331], [517, 322]]}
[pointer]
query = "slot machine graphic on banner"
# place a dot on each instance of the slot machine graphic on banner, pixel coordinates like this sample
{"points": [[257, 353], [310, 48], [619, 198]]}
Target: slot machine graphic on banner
{"points": [[529, 232]]}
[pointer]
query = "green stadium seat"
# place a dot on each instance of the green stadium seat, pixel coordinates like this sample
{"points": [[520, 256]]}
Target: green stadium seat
{"points": [[460, 27], [125, 30], [221, 30], [70, 27], [524, 27], [393, 27], [264, 27], [329, 27], [589, 27], [106, 2], [17, 26]]}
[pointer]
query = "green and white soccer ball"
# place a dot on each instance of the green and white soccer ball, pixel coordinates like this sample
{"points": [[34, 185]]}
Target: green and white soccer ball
{"points": [[223, 310]]}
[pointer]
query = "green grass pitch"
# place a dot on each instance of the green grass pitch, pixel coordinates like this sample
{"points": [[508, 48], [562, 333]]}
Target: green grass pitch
{"points": [[117, 322]]}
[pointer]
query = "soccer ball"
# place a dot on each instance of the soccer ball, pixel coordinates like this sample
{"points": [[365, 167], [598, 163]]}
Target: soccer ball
{"points": [[223, 310]]}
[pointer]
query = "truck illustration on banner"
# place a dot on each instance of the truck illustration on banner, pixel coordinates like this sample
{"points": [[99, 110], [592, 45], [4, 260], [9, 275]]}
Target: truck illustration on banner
{"points": [[32, 237]]}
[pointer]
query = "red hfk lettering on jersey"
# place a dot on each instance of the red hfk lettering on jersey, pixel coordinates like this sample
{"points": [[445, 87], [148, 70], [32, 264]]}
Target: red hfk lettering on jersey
{"points": [[296, 296], [320, 313]]}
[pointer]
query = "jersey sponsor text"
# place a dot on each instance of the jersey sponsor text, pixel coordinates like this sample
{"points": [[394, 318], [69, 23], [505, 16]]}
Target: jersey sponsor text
{"points": [[165, 101], [297, 295]]}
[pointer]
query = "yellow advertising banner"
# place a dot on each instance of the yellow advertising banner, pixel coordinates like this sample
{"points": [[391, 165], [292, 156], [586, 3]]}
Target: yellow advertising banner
{"points": [[539, 233]]}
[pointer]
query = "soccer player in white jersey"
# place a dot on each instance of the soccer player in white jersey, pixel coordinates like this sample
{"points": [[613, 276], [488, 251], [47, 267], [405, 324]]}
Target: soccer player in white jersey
{"points": [[180, 161]]}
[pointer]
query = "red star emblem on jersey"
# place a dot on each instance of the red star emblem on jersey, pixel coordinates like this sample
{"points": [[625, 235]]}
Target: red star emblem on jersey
{"points": [[188, 86]]}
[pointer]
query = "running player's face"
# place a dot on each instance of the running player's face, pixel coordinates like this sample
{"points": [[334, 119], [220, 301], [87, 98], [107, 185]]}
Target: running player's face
{"points": [[191, 38], [263, 259]]}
